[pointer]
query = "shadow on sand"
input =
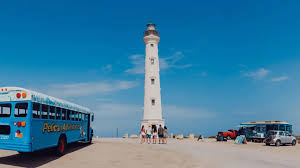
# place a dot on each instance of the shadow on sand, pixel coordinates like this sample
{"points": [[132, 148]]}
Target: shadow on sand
{"points": [[38, 158]]}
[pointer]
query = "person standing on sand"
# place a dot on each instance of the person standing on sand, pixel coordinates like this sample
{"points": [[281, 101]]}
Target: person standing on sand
{"points": [[148, 134], [143, 134], [160, 134], [165, 135], [154, 130]]}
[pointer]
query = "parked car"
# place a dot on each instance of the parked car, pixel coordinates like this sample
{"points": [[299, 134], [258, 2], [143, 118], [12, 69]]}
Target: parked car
{"points": [[280, 138], [230, 134]]}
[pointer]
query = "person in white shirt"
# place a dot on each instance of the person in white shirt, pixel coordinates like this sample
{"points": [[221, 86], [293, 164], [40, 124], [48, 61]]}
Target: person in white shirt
{"points": [[148, 133]]}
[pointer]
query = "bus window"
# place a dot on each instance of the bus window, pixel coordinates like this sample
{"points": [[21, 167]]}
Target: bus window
{"points": [[36, 110], [52, 112], [289, 129], [58, 113], [72, 115], [63, 114], [281, 127], [5, 110], [45, 111], [21, 109], [82, 116], [79, 117], [68, 114]]}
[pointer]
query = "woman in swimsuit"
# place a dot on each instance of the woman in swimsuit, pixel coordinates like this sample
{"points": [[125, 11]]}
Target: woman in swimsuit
{"points": [[143, 134]]}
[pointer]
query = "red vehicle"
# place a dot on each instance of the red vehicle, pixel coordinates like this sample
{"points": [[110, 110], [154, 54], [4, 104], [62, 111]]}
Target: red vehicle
{"points": [[230, 134]]}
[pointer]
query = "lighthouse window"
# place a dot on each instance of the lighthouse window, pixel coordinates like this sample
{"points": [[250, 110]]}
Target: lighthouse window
{"points": [[152, 81], [153, 102], [152, 61], [152, 45]]}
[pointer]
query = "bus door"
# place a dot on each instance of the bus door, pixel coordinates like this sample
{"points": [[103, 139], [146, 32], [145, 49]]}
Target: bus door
{"points": [[88, 126], [21, 126], [14, 123]]}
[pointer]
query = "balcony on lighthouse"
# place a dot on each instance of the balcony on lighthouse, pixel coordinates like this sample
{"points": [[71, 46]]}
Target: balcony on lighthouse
{"points": [[151, 30]]}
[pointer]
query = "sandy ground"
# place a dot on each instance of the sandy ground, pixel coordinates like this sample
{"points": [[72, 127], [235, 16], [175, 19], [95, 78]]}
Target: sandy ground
{"points": [[111, 153], [212, 154], [103, 153]]}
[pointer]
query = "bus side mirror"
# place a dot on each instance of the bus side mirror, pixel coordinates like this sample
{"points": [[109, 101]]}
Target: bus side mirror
{"points": [[92, 117]]}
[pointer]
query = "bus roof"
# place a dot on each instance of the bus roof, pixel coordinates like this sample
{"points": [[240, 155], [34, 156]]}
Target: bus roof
{"points": [[263, 122], [20, 94]]}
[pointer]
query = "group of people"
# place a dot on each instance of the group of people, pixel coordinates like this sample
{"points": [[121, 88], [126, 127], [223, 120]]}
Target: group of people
{"points": [[152, 132]]}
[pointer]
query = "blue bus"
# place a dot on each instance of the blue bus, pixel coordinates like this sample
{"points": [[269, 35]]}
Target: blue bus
{"points": [[31, 121], [257, 130]]}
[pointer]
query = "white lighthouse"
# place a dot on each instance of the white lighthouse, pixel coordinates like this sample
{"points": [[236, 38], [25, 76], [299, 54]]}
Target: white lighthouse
{"points": [[152, 98]]}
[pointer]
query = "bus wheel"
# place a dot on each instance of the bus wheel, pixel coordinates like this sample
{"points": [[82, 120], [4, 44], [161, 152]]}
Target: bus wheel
{"points": [[61, 147]]}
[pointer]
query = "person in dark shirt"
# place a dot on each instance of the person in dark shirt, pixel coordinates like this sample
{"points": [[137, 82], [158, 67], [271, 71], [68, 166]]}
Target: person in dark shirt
{"points": [[165, 135], [154, 134], [160, 134]]}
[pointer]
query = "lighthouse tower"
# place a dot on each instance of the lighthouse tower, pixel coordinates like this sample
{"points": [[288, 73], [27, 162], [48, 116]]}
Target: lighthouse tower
{"points": [[152, 98]]}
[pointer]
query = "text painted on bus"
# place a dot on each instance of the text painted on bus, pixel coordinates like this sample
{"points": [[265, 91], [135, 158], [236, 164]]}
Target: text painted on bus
{"points": [[57, 128]]}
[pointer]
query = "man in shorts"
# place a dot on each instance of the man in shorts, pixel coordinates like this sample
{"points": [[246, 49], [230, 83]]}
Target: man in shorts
{"points": [[148, 134], [160, 134]]}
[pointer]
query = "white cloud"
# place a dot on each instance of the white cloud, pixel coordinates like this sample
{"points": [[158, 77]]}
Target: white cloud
{"points": [[89, 88], [103, 99], [118, 110], [107, 68], [239, 112], [203, 74], [110, 116], [258, 74], [113, 110], [279, 79], [174, 111], [126, 117], [138, 62], [171, 62]]}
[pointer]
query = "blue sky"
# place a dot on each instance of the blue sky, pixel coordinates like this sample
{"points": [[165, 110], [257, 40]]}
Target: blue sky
{"points": [[222, 62]]}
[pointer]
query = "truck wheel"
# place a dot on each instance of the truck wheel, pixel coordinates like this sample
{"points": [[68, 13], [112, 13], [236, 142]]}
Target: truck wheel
{"points": [[294, 142], [61, 146], [267, 144], [277, 143], [228, 137]]}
